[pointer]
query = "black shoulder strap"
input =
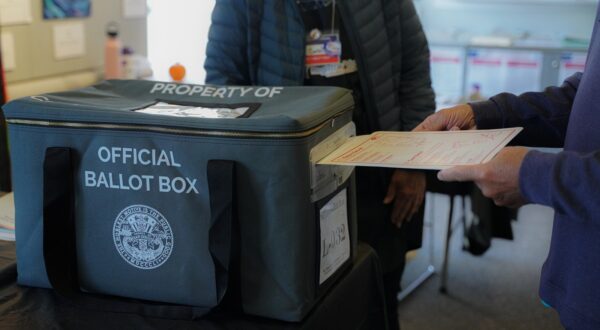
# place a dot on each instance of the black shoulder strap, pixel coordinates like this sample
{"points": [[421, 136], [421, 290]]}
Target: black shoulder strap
{"points": [[223, 235], [60, 249]]}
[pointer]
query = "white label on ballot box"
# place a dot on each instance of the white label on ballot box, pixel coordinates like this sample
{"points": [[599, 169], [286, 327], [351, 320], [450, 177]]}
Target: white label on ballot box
{"points": [[335, 236], [176, 110]]}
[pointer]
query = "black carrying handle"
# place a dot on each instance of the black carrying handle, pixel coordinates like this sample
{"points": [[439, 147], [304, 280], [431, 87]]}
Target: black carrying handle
{"points": [[59, 246]]}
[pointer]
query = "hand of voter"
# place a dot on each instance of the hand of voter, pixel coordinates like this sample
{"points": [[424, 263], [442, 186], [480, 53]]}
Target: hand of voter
{"points": [[406, 191], [458, 117], [498, 179]]}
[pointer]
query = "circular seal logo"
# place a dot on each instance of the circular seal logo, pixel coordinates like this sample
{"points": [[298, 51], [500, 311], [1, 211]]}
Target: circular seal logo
{"points": [[143, 236]]}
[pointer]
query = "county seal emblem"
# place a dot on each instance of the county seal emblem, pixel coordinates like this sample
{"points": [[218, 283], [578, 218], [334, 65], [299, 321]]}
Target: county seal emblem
{"points": [[143, 237]]}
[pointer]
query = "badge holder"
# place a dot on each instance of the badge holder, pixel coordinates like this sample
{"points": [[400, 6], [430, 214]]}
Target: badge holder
{"points": [[324, 52], [323, 48]]}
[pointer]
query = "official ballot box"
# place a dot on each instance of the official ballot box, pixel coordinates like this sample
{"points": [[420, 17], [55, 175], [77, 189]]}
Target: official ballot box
{"points": [[176, 193]]}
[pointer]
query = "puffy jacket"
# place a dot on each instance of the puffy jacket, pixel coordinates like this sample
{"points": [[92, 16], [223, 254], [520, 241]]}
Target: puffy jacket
{"points": [[262, 42]]}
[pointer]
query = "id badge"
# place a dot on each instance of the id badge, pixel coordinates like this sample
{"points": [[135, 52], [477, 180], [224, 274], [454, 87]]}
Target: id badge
{"points": [[325, 50]]}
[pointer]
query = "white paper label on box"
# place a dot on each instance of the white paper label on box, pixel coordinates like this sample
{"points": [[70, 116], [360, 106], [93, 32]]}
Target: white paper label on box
{"points": [[176, 110], [335, 235]]}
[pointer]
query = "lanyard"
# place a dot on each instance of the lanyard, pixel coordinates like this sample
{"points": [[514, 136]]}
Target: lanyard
{"points": [[333, 17], [307, 5]]}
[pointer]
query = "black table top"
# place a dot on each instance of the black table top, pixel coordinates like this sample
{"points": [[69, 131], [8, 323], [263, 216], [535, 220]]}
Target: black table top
{"points": [[355, 302]]}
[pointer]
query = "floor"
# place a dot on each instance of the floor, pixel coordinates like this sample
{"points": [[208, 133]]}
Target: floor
{"points": [[495, 291]]}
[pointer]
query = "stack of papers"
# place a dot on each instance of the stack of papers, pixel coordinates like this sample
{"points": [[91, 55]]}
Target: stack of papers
{"points": [[422, 150], [7, 218]]}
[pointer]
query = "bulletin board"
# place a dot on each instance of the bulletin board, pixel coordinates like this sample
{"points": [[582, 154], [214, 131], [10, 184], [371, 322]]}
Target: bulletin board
{"points": [[32, 39]]}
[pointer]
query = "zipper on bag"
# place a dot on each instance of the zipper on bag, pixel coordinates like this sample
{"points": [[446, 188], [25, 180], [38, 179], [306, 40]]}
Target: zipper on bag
{"points": [[179, 131]]}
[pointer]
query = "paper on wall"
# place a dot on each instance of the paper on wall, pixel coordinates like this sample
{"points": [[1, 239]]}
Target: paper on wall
{"points": [[7, 47], [69, 40], [15, 12], [422, 150], [134, 8]]}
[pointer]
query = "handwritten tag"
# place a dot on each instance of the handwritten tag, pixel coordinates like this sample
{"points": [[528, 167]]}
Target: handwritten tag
{"points": [[335, 236]]}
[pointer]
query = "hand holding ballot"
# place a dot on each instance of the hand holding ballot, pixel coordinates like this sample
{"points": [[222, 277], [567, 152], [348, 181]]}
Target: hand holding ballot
{"points": [[421, 150], [498, 179], [449, 141], [458, 117]]}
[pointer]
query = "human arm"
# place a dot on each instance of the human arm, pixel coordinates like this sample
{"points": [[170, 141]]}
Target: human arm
{"points": [[226, 52], [497, 179], [568, 181], [564, 181], [543, 115]]}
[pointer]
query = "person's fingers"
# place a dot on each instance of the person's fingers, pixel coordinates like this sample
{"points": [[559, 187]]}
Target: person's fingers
{"points": [[391, 194], [512, 200], [498, 200], [434, 122], [406, 212], [422, 126], [399, 204], [417, 202], [414, 210], [459, 173], [399, 211]]}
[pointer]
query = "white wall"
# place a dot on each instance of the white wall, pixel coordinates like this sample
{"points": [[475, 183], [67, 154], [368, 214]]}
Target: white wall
{"points": [[178, 29], [464, 18], [178, 32]]}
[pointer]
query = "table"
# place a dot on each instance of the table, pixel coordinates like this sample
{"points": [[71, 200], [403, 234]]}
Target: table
{"points": [[355, 302]]}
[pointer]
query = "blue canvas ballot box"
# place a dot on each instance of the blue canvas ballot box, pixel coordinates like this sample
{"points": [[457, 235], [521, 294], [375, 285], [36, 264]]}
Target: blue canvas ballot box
{"points": [[177, 193]]}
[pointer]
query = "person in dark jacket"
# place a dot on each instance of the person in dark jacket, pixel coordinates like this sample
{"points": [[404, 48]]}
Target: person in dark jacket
{"points": [[383, 57], [568, 181]]}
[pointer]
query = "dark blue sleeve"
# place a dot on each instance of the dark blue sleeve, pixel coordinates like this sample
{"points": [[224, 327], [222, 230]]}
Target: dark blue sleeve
{"points": [[567, 181], [543, 115], [226, 52]]}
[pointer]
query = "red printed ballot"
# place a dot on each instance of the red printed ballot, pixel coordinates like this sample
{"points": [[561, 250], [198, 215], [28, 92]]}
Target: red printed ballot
{"points": [[421, 150]]}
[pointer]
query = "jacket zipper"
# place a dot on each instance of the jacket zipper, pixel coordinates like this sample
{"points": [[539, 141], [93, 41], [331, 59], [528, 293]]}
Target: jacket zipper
{"points": [[179, 131]]}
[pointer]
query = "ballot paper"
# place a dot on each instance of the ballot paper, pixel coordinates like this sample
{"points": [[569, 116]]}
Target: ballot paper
{"points": [[421, 150]]}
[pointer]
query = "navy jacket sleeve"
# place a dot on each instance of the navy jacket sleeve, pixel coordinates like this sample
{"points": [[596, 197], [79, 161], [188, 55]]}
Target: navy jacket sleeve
{"points": [[564, 181], [416, 94], [226, 52], [543, 115]]}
